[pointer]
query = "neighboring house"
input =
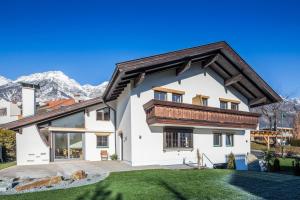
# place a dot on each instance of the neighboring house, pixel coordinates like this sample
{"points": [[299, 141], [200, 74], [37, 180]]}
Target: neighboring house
{"points": [[156, 110], [55, 104], [9, 111]]}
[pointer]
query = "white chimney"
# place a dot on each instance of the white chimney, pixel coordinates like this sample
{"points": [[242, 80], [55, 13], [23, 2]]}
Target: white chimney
{"points": [[77, 98], [28, 99]]}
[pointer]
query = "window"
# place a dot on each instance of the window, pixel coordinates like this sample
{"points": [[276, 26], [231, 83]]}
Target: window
{"points": [[177, 98], [229, 140], [3, 111], [204, 101], [178, 138], [102, 141], [72, 121], [234, 106], [103, 114], [223, 105], [160, 95], [217, 139]]}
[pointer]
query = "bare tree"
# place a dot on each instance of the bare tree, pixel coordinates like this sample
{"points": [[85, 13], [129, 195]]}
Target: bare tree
{"points": [[297, 126], [273, 112]]}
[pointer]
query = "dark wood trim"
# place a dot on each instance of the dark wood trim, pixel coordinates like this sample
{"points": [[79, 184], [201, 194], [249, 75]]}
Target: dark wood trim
{"points": [[186, 65], [210, 61], [172, 113], [187, 122], [233, 80], [154, 102]]}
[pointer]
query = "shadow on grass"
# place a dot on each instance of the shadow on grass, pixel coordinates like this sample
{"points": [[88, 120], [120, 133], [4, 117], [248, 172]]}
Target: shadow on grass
{"points": [[171, 189], [267, 185], [101, 192]]}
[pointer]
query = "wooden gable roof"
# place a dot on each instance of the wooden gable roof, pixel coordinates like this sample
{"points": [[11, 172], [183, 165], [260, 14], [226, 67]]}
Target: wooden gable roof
{"points": [[219, 57]]}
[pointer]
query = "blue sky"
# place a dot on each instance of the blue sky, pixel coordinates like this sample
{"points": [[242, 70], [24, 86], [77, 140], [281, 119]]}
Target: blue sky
{"points": [[85, 39]]}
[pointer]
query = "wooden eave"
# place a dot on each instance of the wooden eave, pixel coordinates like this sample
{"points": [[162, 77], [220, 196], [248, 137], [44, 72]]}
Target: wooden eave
{"points": [[219, 57]]}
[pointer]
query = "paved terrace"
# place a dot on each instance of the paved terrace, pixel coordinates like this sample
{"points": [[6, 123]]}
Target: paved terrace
{"points": [[67, 168]]}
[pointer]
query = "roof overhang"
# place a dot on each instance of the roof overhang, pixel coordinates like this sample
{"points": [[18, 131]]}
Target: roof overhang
{"points": [[219, 57], [51, 115]]}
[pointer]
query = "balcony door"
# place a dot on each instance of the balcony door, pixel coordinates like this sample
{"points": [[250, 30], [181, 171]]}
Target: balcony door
{"points": [[67, 146]]}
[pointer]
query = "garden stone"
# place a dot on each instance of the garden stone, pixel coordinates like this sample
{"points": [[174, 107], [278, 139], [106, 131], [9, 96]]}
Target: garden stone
{"points": [[78, 175], [40, 183]]}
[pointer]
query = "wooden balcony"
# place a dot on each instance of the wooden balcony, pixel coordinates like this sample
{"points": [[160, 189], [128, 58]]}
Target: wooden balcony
{"points": [[171, 113]]}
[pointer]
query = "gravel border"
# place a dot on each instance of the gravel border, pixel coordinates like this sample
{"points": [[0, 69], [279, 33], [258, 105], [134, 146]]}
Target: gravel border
{"points": [[91, 179]]}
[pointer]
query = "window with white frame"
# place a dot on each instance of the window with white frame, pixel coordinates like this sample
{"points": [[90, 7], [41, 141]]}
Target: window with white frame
{"points": [[234, 106], [204, 101], [217, 139], [102, 141], [229, 139], [223, 105], [177, 98], [3, 111], [103, 114], [158, 95]]}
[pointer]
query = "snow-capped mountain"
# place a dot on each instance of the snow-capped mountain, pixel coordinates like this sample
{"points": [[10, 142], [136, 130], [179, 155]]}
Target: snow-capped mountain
{"points": [[4, 80], [54, 85]]}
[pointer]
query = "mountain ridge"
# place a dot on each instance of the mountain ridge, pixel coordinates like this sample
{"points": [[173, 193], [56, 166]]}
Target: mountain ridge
{"points": [[54, 85]]}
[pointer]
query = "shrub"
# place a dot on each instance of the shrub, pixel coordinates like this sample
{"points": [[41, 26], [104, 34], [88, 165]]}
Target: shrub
{"points": [[268, 158], [231, 161], [297, 168], [8, 143], [295, 142], [276, 165], [114, 157]]}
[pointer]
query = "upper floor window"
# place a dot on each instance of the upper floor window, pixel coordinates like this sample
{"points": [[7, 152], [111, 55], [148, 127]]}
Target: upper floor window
{"points": [[223, 105], [204, 101], [178, 138], [229, 139], [177, 98], [103, 114], [234, 106], [3, 111], [217, 139], [158, 95], [102, 141], [76, 120]]}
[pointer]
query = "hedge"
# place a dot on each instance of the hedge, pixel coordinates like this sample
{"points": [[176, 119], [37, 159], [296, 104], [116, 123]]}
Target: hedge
{"points": [[295, 142]]}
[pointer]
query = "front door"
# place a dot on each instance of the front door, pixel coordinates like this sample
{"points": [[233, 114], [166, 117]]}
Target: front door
{"points": [[67, 146]]}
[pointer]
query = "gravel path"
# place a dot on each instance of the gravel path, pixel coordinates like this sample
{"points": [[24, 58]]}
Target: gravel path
{"points": [[91, 179]]}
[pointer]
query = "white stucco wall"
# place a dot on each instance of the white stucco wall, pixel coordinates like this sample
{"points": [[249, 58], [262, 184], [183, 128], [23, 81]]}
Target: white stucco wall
{"points": [[28, 101], [31, 150], [12, 111], [91, 151], [147, 143], [124, 125]]}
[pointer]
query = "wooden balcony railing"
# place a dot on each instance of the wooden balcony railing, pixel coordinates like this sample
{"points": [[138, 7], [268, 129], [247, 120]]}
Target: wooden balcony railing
{"points": [[171, 113]]}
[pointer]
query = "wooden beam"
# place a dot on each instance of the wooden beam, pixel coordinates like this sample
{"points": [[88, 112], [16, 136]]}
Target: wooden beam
{"points": [[138, 80], [210, 61], [186, 65], [257, 101], [234, 79]]}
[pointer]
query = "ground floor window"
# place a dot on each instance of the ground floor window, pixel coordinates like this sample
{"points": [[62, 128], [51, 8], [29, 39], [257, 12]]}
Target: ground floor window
{"points": [[178, 138], [229, 139], [102, 141], [217, 139]]}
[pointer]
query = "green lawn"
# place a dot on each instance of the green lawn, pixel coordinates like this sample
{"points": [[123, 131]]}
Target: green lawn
{"points": [[179, 184], [6, 165]]}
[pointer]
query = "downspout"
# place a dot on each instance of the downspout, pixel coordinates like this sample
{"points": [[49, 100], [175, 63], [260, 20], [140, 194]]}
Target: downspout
{"points": [[115, 123]]}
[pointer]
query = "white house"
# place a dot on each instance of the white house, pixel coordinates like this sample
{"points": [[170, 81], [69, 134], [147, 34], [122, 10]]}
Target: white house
{"points": [[9, 111], [158, 110]]}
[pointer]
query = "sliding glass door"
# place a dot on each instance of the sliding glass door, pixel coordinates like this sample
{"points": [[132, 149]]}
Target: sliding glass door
{"points": [[67, 146]]}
